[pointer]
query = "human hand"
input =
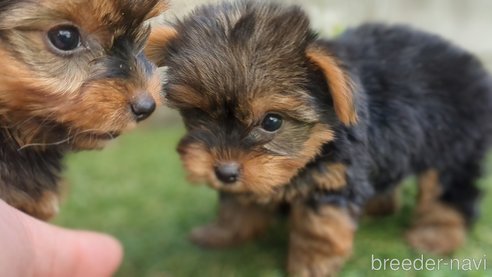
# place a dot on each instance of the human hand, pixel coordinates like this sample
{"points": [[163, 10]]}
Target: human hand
{"points": [[29, 247]]}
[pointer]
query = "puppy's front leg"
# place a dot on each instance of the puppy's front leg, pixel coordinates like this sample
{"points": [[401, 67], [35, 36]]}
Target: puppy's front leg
{"points": [[237, 222], [321, 240], [43, 205]]}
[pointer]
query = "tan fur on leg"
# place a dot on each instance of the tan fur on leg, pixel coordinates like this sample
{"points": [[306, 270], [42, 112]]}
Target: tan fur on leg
{"points": [[383, 204], [320, 241], [437, 227], [237, 223], [44, 208]]}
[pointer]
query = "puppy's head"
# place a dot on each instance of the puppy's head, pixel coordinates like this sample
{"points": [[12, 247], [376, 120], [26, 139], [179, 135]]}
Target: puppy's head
{"points": [[74, 71], [258, 94]]}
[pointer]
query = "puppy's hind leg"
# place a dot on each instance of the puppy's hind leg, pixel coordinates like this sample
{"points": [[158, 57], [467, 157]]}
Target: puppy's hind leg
{"points": [[447, 204], [237, 222], [386, 203]]}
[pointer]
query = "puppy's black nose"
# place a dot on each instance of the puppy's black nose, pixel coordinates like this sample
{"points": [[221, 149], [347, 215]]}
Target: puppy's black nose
{"points": [[143, 106], [227, 173]]}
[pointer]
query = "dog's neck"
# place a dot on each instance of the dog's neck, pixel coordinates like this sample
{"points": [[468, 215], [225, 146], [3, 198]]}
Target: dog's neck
{"points": [[29, 170]]}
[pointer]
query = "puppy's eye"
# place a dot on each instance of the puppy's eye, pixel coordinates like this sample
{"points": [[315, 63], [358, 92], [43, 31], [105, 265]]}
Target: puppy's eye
{"points": [[272, 122], [65, 38]]}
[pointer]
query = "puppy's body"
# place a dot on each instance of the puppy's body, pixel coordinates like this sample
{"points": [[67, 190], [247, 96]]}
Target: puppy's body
{"points": [[423, 104], [73, 77], [427, 106], [275, 115]]}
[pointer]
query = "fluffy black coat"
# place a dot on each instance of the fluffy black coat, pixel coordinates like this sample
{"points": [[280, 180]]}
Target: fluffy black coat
{"points": [[423, 104]]}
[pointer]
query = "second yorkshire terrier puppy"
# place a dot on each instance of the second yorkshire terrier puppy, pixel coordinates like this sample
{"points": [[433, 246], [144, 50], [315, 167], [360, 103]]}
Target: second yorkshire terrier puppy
{"points": [[275, 115], [73, 77]]}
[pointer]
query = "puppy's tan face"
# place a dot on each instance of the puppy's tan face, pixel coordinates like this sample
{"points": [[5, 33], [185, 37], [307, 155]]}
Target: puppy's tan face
{"points": [[258, 97], [248, 143], [74, 71]]}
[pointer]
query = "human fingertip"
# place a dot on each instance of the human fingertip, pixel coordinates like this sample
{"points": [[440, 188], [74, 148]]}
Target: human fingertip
{"points": [[100, 254]]}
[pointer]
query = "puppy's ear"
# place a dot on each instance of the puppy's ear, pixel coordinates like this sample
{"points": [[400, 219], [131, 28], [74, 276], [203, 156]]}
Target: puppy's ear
{"points": [[339, 83], [156, 46], [159, 7]]}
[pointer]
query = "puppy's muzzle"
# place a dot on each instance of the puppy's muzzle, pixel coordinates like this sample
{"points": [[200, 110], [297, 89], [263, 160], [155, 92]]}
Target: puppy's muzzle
{"points": [[143, 106], [228, 173]]}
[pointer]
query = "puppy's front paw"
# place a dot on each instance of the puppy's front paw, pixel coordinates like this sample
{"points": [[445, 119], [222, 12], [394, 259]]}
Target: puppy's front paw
{"points": [[302, 267], [236, 223], [215, 236]]}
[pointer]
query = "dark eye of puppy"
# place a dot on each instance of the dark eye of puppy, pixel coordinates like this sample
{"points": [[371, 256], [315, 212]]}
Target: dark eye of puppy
{"points": [[64, 38], [272, 122]]}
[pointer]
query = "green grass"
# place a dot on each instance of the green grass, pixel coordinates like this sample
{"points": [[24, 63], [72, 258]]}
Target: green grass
{"points": [[135, 189]]}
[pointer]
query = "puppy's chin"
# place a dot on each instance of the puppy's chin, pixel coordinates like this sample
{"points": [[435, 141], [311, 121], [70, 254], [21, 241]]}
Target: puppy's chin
{"points": [[39, 134], [262, 184], [239, 187], [93, 141], [96, 139]]}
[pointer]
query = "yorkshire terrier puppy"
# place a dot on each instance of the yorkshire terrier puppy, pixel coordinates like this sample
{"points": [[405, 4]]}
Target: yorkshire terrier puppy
{"points": [[276, 115], [74, 76]]}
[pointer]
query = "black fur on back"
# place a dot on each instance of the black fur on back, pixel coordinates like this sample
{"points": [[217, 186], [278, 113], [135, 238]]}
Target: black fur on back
{"points": [[427, 104]]}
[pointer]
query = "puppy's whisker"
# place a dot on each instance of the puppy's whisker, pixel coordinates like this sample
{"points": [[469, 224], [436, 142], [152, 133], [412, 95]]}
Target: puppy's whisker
{"points": [[22, 123], [92, 132], [43, 144]]}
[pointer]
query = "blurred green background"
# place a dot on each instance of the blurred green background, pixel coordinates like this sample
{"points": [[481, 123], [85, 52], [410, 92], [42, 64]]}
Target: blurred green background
{"points": [[135, 189]]}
